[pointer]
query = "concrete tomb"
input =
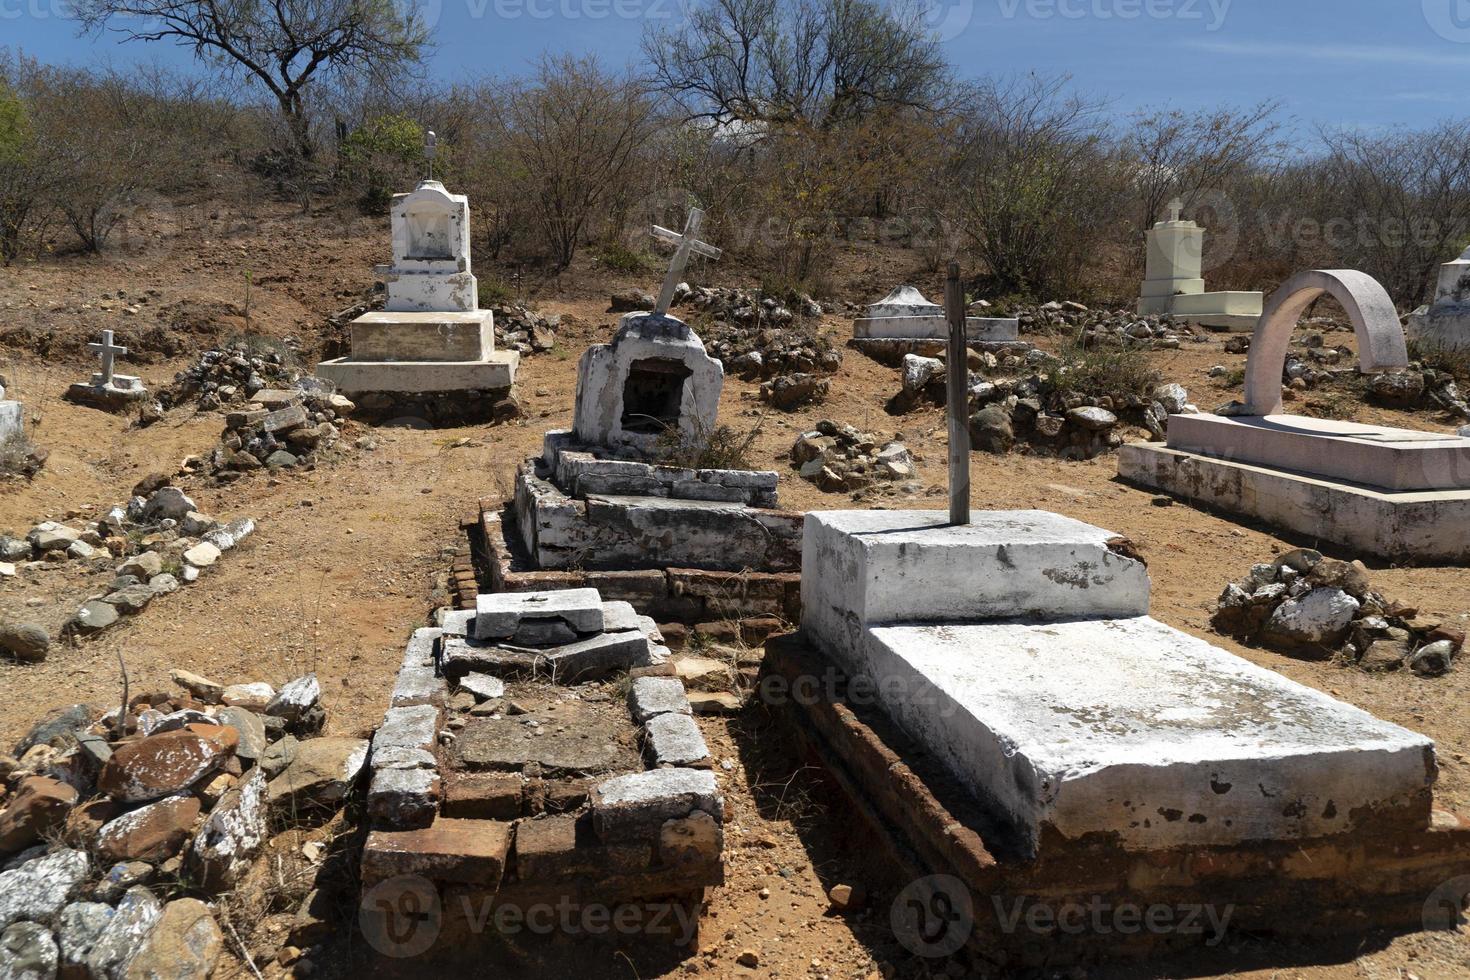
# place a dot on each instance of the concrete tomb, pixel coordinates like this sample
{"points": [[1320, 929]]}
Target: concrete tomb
{"points": [[1173, 283], [431, 339], [108, 390], [1445, 324], [1018, 651], [905, 314], [1395, 493], [601, 497]]}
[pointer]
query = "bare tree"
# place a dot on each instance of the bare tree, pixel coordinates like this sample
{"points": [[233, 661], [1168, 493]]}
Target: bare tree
{"points": [[1037, 182], [573, 132], [283, 44], [1398, 203], [779, 62], [25, 174], [1175, 153]]}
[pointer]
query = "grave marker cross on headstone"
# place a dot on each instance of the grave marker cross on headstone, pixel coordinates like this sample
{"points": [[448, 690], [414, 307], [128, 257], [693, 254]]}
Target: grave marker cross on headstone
{"points": [[685, 243], [431, 146], [108, 352], [1176, 208]]}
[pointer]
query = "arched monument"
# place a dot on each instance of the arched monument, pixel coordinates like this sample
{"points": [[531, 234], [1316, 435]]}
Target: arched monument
{"points": [[1401, 494]]}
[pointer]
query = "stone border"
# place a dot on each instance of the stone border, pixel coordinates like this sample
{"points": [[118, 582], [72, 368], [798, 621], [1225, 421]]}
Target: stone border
{"points": [[579, 474], [928, 825], [650, 833]]}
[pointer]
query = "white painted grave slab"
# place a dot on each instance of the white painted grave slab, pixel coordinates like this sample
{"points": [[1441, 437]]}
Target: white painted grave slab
{"points": [[1368, 487], [1017, 650], [1131, 728], [499, 615], [12, 422]]}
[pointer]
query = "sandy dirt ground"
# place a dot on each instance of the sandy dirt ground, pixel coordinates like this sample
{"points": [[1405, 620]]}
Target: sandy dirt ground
{"points": [[346, 558]]}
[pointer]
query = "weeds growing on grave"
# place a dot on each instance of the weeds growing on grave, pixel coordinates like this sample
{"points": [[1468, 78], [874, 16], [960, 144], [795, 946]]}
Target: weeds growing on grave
{"points": [[720, 448], [1448, 359], [1098, 371], [257, 345]]}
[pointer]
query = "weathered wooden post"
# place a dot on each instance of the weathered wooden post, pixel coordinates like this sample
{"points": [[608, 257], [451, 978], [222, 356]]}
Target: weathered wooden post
{"points": [[958, 368]]}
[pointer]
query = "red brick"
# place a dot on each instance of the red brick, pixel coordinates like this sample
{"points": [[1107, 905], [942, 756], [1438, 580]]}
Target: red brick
{"points": [[482, 795], [469, 851], [637, 587], [565, 846]]}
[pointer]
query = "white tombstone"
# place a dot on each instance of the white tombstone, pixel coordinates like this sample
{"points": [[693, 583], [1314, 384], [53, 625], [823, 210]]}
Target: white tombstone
{"points": [[1174, 285], [431, 336], [905, 314], [1397, 493], [655, 375], [1445, 324], [12, 421]]}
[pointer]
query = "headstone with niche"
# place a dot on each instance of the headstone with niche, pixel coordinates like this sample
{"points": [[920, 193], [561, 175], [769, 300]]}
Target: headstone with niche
{"points": [[431, 340], [1445, 324], [107, 389], [617, 491], [1174, 285], [1395, 493]]}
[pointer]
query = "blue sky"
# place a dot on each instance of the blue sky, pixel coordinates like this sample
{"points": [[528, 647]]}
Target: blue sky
{"points": [[1357, 63]]}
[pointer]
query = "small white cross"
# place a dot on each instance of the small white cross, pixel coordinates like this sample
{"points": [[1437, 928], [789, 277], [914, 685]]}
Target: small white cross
{"points": [[685, 243], [431, 145], [108, 352], [1176, 208]]}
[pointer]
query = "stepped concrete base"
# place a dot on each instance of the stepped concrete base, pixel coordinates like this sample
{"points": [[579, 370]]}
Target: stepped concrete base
{"points": [[413, 337], [122, 393], [1224, 322], [1133, 730], [1370, 455], [1415, 526], [497, 372]]}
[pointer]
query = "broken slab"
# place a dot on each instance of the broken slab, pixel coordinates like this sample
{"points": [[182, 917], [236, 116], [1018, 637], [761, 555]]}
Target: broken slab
{"points": [[470, 851], [868, 567], [1131, 729], [905, 314], [674, 739], [499, 615], [593, 657], [639, 803]]}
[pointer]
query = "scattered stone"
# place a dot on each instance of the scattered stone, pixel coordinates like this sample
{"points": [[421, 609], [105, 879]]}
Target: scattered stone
{"points": [[1318, 619], [1433, 659], [252, 697], [26, 642], [846, 898], [651, 696], [184, 944], [38, 807], [483, 686], [200, 688], [28, 952], [94, 617], [202, 555], [151, 833], [160, 765], [124, 935], [232, 835], [320, 776], [296, 700]]}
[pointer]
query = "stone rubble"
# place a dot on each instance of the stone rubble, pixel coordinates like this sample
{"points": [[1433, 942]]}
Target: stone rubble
{"points": [[101, 819], [1306, 604], [840, 459], [155, 543], [525, 330]]}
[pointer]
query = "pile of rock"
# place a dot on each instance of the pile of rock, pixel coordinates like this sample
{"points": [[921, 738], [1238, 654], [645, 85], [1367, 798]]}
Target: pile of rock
{"points": [[1038, 409], [524, 329], [1420, 387], [229, 376], [840, 459], [178, 788], [1306, 604], [163, 539], [278, 428], [1105, 326]]}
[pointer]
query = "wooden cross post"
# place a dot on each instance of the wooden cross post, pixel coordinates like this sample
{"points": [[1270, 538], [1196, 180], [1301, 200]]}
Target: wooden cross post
{"points": [[683, 245], [958, 369]]}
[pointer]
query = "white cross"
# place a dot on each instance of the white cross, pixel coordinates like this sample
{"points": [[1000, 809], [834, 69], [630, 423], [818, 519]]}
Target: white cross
{"points": [[1176, 207], [107, 351], [431, 145], [685, 243]]}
